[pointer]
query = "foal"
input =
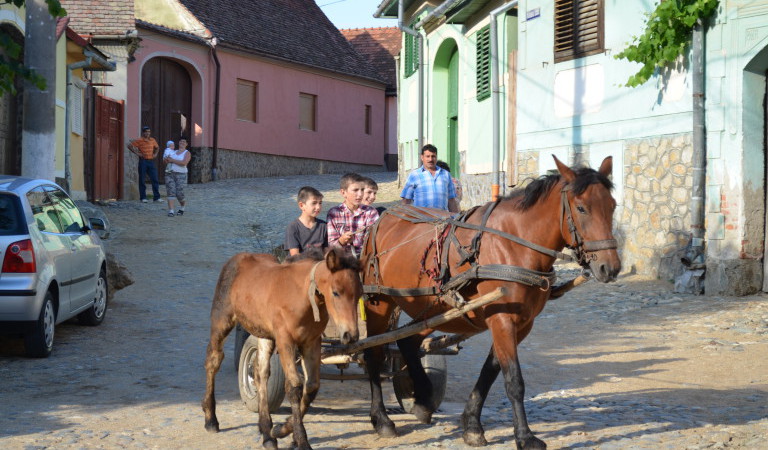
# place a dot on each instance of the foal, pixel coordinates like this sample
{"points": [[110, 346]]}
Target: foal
{"points": [[285, 306]]}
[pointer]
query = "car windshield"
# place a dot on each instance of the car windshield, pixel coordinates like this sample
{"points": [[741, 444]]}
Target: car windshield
{"points": [[11, 221]]}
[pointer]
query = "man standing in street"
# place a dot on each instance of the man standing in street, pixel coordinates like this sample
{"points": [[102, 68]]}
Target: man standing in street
{"points": [[146, 149], [430, 186]]}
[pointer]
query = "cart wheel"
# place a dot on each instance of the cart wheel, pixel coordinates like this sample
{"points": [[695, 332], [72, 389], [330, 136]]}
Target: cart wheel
{"points": [[435, 366], [275, 386]]}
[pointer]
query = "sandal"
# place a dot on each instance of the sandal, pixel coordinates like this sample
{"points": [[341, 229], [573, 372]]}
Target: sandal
{"points": [[180, 213]]}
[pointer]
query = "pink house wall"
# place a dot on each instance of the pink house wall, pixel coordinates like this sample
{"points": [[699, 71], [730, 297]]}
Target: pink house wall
{"points": [[341, 101]]}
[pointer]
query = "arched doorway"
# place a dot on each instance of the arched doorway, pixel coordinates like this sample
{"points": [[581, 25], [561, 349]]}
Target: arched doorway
{"points": [[446, 104], [10, 113], [166, 102]]}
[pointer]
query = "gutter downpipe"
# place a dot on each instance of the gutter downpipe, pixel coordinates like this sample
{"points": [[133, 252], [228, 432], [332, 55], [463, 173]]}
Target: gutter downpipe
{"points": [[420, 38], [695, 258], [495, 94], [214, 165]]}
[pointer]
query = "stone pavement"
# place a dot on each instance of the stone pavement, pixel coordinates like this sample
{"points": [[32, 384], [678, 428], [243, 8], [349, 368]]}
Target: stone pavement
{"points": [[625, 365]]}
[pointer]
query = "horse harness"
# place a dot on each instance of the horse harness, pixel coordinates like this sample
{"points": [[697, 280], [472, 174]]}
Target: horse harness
{"points": [[447, 287]]}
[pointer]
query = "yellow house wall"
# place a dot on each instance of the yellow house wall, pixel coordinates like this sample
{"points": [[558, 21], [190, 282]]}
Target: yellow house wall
{"points": [[74, 53]]}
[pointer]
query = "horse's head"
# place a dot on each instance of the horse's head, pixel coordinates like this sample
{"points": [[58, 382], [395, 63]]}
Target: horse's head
{"points": [[342, 290], [587, 218]]}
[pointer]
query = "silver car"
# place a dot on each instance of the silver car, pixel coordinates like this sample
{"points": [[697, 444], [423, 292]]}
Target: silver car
{"points": [[54, 265]]}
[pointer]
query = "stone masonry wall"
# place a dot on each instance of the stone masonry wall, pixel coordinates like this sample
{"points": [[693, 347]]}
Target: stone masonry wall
{"points": [[237, 164], [654, 222]]}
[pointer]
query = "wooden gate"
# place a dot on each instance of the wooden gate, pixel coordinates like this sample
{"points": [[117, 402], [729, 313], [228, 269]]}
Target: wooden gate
{"points": [[108, 154]]}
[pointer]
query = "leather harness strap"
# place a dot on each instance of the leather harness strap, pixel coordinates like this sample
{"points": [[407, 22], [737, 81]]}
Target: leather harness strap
{"points": [[313, 290]]}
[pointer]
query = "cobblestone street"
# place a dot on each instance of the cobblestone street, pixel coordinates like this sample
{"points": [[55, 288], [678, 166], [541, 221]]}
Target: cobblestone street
{"points": [[625, 365]]}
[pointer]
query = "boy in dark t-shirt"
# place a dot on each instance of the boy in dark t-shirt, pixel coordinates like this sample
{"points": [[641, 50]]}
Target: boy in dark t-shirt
{"points": [[307, 231]]}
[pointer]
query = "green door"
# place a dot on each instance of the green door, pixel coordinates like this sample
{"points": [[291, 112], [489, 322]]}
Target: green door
{"points": [[452, 155]]}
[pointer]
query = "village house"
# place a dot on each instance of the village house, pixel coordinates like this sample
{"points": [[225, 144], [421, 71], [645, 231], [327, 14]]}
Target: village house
{"points": [[500, 86]]}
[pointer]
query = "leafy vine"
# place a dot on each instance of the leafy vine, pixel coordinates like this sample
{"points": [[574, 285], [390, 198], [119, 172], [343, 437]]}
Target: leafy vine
{"points": [[667, 35]]}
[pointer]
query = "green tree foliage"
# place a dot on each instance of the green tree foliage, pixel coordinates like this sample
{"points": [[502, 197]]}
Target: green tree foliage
{"points": [[667, 35], [10, 67]]}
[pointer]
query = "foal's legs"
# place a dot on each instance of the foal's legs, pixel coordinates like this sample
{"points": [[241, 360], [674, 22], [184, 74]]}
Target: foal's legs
{"points": [[293, 390], [310, 362], [221, 325], [261, 377], [378, 313]]}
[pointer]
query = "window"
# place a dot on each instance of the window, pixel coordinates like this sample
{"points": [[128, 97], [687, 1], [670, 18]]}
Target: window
{"points": [[247, 100], [367, 119], [307, 112], [76, 109], [578, 28], [69, 216], [411, 55], [483, 63]]}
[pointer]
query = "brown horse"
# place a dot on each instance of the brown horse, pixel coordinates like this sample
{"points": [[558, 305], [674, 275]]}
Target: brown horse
{"points": [[285, 305], [512, 243]]}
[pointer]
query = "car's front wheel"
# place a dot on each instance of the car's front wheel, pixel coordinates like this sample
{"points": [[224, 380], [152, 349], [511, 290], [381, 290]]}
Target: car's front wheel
{"points": [[38, 341], [95, 314]]}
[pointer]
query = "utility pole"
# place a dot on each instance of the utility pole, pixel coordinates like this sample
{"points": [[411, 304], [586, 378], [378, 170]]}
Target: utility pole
{"points": [[38, 138]]}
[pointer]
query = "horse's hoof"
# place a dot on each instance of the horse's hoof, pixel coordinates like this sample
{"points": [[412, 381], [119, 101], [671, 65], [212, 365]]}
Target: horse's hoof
{"points": [[270, 444], [422, 413], [474, 439], [387, 431], [212, 426], [532, 443]]}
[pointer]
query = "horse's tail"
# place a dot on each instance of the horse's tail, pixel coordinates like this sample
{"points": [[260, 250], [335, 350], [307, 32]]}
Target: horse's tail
{"points": [[226, 278]]}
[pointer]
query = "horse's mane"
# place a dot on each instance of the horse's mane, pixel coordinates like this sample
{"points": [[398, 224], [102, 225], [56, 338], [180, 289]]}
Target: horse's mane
{"points": [[527, 196], [315, 254]]}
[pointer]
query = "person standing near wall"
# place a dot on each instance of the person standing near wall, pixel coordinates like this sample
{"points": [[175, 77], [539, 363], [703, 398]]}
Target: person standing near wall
{"points": [[176, 175], [146, 149]]}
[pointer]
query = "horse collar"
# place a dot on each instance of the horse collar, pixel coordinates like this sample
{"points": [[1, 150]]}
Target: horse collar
{"points": [[314, 290]]}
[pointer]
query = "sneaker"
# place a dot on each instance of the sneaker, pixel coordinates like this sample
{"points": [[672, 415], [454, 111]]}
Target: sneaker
{"points": [[180, 212], [171, 214], [143, 200], [157, 200]]}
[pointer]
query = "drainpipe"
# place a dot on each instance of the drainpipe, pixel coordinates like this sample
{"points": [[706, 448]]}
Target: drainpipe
{"points": [[495, 97], [214, 165], [694, 259]]}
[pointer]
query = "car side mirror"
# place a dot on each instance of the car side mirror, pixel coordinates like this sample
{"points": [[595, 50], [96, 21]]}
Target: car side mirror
{"points": [[96, 224]]}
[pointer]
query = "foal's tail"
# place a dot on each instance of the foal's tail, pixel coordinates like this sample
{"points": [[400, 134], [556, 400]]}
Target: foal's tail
{"points": [[226, 278]]}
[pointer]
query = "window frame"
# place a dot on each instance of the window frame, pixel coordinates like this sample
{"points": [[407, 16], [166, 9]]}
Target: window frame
{"points": [[240, 107], [568, 43], [483, 63], [313, 97]]}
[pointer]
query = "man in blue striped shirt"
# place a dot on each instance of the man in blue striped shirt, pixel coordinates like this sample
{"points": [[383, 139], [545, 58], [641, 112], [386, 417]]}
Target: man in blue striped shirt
{"points": [[430, 186]]}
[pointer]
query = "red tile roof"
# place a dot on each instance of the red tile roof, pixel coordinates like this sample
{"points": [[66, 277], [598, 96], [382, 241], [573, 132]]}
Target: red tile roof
{"points": [[292, 30], [113, 17], [379, 46]]}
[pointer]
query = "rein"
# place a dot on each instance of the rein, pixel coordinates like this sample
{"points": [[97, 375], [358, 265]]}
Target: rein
{"points": [[314, 290]]}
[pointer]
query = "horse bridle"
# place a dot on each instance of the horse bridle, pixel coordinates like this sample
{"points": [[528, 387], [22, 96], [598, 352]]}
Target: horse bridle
{"points": [[314, 290], [585, 250]]}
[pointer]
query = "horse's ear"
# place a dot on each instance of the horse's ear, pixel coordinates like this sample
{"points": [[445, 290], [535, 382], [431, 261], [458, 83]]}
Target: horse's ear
{"points": [[332, 260], [607, 166], [567, 173]]}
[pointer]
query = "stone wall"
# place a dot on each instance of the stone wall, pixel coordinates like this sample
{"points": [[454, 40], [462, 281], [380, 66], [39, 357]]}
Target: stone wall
{"points": [[237, 164], [654, 221]]}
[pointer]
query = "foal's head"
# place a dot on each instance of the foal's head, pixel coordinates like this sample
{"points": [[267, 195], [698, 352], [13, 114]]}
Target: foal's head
{"points": [[342, 288]]}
